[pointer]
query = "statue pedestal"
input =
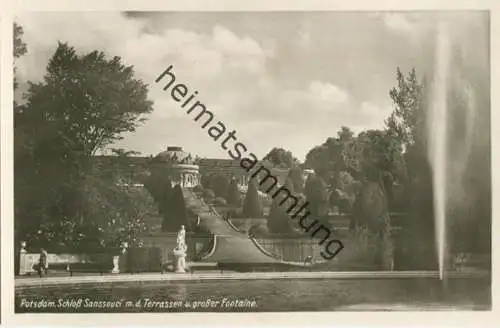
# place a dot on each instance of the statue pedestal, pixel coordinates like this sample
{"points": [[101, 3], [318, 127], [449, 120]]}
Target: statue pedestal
{"points": [[180, 261]]}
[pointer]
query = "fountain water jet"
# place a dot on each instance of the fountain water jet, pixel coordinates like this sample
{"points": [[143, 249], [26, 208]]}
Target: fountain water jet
{"points": [[437, 128], [451, 128]]}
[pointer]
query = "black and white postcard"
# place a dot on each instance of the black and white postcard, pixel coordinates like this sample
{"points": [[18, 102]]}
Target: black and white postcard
{"points": [[251, 161]]}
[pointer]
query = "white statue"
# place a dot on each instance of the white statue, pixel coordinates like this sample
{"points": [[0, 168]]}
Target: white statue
{"points": [[180, 251], [181, 236]]}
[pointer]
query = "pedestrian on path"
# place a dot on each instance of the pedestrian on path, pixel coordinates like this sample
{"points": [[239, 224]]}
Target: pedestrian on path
{"points": [[43, 263]]}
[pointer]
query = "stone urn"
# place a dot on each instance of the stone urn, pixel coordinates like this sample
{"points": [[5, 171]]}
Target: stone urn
{"points": [[23, 248]]}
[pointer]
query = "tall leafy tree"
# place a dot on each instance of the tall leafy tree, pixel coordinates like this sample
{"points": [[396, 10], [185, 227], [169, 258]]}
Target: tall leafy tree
{"points": [[335, 155], [110, 214], [407, 125], [84, 103], [20, 47], [296, 178], [406, 122], [345, 134], [317, 196], [370, 208], [380, 160], [280, 157], [89, 99]]}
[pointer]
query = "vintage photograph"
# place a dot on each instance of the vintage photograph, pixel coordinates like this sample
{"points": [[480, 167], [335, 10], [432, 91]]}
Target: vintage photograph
{"points": [[252, 161]]}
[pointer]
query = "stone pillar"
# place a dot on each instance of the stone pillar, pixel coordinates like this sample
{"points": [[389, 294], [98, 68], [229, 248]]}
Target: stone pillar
{"points": [[116, 264], [120, 261], [23, 260], [27, 261]]}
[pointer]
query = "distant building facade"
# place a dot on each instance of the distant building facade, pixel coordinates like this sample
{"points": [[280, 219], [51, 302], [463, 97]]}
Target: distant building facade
{"points": [[227, 167], [187, 171]]}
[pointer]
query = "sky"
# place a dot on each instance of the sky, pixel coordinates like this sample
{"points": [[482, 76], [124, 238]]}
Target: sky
{"points": [[280, 79]]}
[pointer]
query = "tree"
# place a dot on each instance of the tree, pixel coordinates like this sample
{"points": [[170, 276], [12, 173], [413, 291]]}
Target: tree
{"points": [[20, 48], [345, 134], [252, 207], [280, 157], [317, 196], [406, 122], [206, 181], [19, 45], [220, 184], [84, 103], [407, 125], [178, 212], [124, 154], [123, 213], [121, 165], [297, 180], [318, 158], [279, 221], [380, 160], [342, 200], [159, 185], [233, 194], [370, 208], [335, 155], [109, 215]]}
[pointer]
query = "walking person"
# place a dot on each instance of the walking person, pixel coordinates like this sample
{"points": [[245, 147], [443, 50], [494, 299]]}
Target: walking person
{"points": [[43, 263]]}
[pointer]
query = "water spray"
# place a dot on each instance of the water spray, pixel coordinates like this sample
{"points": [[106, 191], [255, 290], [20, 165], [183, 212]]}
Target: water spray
{"points": [[438, 139]]}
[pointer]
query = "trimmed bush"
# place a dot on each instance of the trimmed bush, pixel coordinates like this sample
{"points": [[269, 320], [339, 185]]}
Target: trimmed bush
{"points": [[252, 208], [219, 201], [206, 182], [177, 212], [233, 194], [220, 185], [208, 195]]}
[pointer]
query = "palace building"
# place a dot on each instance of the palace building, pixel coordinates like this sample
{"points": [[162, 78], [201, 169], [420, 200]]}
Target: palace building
{"points": [[187, 170]]}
